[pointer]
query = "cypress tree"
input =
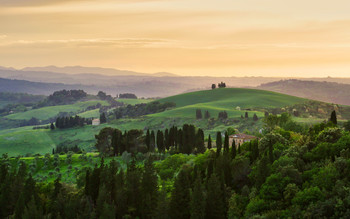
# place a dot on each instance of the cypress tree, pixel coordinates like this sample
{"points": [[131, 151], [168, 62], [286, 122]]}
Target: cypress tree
{"points": [[198, 200], [166, 139], [160, 141], [215, 202], [200, 141], [209, 142], [226, 144], [152, 141], [149, 190], [233, 150], [180, 197], [239, 148], [218, 143], [333, 118], [246, 115], [148, 140]]}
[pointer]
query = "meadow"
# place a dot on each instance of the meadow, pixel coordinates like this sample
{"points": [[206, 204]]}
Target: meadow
{"points": [[52, 111]]}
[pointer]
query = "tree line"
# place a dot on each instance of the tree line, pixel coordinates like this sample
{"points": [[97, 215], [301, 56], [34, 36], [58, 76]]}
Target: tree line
{"points": [[70, 122]]}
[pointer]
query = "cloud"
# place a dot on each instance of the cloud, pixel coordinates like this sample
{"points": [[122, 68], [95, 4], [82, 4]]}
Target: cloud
{"points": [[15, 3], [2, 36], [96, 42]]}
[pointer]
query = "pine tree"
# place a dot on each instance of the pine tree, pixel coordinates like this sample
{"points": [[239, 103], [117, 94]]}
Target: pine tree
{"points": [[198, 200], [333, 118], [209, 142], [226, 144], [218, 143]]}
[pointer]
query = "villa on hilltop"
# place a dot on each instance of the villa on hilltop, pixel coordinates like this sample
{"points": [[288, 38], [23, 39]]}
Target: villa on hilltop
{"points": [[240, 139]]}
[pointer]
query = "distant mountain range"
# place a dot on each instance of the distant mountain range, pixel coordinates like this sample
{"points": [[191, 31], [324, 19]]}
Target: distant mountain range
{"points": [[113, 81], [93, 70], [323, 91]]}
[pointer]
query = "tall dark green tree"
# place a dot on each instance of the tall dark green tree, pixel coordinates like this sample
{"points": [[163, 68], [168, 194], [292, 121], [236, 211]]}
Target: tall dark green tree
{"points": [[103, 118], [218, 143], [199, 114], [226, 144], [215, 202], [209, 142], [152, 141], [200, 141], [149, 190], [160, 141], [198, 200], [233, 150], [180, 197], [148, 140], [333, 118]]}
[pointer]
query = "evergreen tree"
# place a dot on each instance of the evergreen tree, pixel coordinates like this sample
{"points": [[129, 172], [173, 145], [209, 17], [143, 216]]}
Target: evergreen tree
{"points": [[333, 118], [226, 144], [149, 190], [255, 117], [152, 141], [215, 202], [198, 200], [246, 115], [199, 114], [166, 139], [133, 186], [180, 197], [233, 150], [209, 142], [162, 208], [239, 149], [207, 114], [160, 142], [148, 140], [200, 141], [52, 127], [218, 143], [103, 118]]}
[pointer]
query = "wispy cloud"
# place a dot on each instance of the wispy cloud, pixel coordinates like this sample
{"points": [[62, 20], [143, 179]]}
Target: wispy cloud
{"points": [[96, 42]]}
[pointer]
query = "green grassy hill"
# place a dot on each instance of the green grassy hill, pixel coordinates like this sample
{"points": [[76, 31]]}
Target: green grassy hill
{"points": [[51, 111], [26, 140], [233, 97], [227, 99]]}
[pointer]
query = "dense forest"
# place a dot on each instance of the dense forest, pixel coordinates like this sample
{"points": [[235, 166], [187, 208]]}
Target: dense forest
{"points": [[290, 172]]}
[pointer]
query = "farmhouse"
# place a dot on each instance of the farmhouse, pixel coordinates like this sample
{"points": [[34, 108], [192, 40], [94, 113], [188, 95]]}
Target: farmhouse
{"points": [[96, 122], [240, 139]]}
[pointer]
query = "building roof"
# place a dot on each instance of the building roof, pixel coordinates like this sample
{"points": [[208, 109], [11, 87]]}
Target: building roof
{"points": [[243, 136], [96, 120]]}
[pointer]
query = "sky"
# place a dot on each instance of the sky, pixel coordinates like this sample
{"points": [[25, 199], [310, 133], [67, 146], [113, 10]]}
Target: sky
{"points": [[290, 38]]}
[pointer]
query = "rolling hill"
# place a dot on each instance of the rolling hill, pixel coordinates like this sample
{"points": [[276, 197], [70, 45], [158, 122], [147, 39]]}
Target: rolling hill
{"points": [[253, 101]]}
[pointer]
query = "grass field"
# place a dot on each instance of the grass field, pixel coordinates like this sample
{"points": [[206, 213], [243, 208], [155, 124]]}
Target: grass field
{"points": [[134, 101], [51, 111], [90, 114], [26, 140], [233, 97]]}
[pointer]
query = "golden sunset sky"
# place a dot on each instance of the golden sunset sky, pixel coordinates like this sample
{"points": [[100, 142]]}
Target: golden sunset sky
{"points": [[300, 38]]}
